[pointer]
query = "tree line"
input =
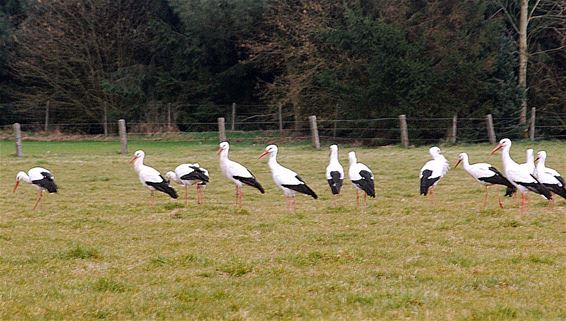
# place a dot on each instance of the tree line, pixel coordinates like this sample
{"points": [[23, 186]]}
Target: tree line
{"points": [[100, 60]]}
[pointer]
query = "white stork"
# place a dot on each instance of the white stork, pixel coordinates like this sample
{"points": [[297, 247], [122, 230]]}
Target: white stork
{"points": [[550, 178], [151, 178], [188, 175], [237, 173], [39, 177], [286, 179], [519, 175], [334, 171], [486, 175], [433, 171], [361, 178]]}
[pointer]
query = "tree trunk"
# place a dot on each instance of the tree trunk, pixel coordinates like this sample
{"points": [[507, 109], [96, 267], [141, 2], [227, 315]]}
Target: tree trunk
{"points": [[523, 23]]}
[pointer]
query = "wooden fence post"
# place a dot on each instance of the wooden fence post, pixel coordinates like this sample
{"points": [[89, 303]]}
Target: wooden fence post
{"points": [[18, 133], [404, 131], [314, 132], [123, 136], [490, 129], [233, 120], [221, 129], [280, 116], [454, 129], [533, 118]]}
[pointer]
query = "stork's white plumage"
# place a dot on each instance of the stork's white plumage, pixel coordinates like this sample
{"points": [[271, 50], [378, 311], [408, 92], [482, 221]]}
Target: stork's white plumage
{"points": [[334, 171], [151, 178], [39, 177], [188, 175], [550, 178], [286, 179], [519, 175], [487, 175], [237, 173], [433, 171], [361, 177], [529, 165]]}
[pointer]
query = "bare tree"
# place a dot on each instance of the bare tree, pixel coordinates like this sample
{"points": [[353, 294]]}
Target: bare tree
{"points": [[74, 54], [528, 21]]}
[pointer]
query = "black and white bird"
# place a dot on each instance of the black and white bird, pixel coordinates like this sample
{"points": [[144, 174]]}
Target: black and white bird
{"points": [[550, 178], [237, 173], [334, 171], [39, 177], [433, 171], [151, 178], [187, 175], [286, 179], [487, 175], [361, 177], [519, 175]]}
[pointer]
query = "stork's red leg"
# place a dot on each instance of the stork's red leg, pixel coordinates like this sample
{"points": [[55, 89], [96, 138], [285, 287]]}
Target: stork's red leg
{"points": [[186, 195], [39, 196]]}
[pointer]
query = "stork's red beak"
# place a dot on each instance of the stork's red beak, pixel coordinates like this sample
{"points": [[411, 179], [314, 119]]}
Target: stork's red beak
{"points": [[458, 163], [133, 159], [498, 147], [219, 151], [263, 154], [16, 186]]}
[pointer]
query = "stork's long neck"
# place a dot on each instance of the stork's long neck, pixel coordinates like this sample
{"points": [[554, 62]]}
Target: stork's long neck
{"points": [[541, 163], [224, 155], [272, 162], [334, 156], [138, 164], [466, 163], [506, 158]]}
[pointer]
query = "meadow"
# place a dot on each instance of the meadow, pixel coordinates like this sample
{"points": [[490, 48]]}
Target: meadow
{"points": [[96, 251]]}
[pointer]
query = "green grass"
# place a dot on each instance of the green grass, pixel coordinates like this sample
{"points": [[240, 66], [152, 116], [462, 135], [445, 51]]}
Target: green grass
{"points": [[96, 251]]}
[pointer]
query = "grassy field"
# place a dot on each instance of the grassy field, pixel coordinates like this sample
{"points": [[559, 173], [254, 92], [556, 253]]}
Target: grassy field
{"points": [[96, 250]]}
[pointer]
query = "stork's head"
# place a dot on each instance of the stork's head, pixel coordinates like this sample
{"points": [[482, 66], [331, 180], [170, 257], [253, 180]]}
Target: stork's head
{"points": [[224, 146], [137, 154], [461, 157], [270, 149], [504, 143], [19, 177], [541, 156], [434, 151], [170, 176]]}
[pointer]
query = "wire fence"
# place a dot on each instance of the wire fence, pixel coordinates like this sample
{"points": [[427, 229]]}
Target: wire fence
{"points": [[263, 123]]}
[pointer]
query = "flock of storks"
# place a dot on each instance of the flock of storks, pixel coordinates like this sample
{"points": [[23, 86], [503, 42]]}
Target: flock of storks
{"points": [[515, 177]]}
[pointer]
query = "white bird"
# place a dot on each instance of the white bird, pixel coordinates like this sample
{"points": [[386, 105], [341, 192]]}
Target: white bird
{"points": [[286, 179], [550, 178], [188, 175], [237, 173], [433, 171], [487, 175], [529, 165], [519, 175], [151, 178], [361, 177], [334, 171], [39, 177]]}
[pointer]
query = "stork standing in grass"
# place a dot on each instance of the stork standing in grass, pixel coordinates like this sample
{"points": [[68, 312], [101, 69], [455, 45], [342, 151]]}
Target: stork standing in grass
{"points": [[151, 178], [486, 175], [286, 179], [188, 175], [39, 177], [550, 178], [334, 172], [237, 173], [362, 179], [519, 175], [433, 171]]}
